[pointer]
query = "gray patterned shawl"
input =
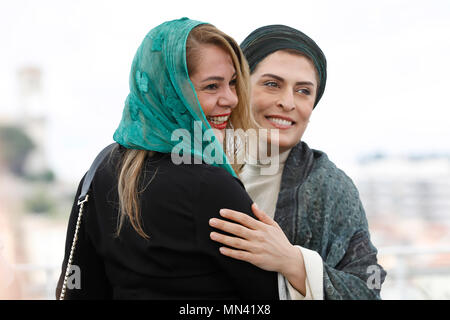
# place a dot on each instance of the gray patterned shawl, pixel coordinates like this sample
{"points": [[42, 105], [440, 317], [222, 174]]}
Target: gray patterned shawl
{"points": [[319, 208]]}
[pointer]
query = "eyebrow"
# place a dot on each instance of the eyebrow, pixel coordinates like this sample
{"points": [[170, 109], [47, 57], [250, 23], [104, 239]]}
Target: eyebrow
{"points": [[216, 78], [281, 79]]}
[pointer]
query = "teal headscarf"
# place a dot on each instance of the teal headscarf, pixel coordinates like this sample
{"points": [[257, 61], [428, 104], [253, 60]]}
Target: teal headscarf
{"points": [[162, 99]]}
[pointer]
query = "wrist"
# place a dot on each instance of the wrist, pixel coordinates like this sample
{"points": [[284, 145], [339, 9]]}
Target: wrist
{"points": [[294, 263], [294, 270]]}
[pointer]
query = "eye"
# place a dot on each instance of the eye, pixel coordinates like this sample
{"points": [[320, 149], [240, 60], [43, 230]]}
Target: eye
{"points": [[304, 91], [271, 84], [212, 86], [233, 82]]}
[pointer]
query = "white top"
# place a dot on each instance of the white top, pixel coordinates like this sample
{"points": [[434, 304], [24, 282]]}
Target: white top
{"points": [[262, 182]]}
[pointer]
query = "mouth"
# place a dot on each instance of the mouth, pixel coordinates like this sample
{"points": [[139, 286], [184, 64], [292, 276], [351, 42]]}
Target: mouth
{"points": [[280, 122], [219, 121]]}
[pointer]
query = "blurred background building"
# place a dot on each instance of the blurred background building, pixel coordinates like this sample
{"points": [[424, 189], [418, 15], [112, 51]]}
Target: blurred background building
{"points": [[407, 201], [32, 118], [31, 198]]}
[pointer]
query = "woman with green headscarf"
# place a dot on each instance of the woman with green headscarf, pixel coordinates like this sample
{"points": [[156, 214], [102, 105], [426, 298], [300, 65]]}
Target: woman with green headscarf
{"points": [[145, 234], [311, 226]]}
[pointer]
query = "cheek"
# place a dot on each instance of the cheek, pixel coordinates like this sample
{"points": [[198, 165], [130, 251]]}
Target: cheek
{"points": [[207, 103], [306, 114], [305, 108], [259, 105]]}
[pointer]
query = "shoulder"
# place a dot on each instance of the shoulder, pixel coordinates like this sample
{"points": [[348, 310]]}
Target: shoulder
{"points": [[330, 196], [219, 189], [332, 192], [106, 172], [336, 195], [328, 177], [210, 179], [110, 166], [216, 180]]}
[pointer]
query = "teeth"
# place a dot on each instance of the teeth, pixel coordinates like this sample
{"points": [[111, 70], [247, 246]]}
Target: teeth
{"points": [[218, 120], [281, 121]]}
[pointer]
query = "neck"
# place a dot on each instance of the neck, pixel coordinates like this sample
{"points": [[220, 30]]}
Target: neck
{"points": [[268, 160]]}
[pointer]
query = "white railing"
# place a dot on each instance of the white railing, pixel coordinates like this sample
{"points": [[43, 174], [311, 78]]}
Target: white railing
{"points": [[399, 282]]}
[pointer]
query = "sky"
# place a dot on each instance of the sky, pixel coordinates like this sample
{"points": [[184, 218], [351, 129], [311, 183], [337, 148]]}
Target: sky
{"points": [[388, 67]]}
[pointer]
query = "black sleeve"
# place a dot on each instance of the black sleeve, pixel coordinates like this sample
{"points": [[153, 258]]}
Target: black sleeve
{"points": [[88, 279], [218, 189]]}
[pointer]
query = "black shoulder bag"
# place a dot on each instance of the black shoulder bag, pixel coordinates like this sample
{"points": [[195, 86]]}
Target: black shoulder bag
{"points": [[82, 199]]}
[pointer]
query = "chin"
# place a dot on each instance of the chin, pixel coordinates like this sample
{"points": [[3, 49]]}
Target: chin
{"points": [[285, 148], [287, 143]]}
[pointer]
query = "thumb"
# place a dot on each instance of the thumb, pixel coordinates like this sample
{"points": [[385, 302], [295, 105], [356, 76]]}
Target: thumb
{"points": [[261, 215]]}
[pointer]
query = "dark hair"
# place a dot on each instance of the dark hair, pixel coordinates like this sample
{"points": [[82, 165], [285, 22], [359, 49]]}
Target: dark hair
{"points": [[268, 39]]}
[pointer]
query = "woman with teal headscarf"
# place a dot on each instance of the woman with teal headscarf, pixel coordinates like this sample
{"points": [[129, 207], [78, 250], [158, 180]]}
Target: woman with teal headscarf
{"points": [[145, 233], [311, 225]]}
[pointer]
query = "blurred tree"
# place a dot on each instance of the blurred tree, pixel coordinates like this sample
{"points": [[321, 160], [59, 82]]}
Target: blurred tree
{"points": [[46, 176], [15, 145], [39, 201]]}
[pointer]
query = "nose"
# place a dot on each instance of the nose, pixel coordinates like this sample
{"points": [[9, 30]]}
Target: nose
{"points": [[228, 98], [286, 100]]}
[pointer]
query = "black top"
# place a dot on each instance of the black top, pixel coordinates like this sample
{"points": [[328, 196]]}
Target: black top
{"points": [[179, 261]]}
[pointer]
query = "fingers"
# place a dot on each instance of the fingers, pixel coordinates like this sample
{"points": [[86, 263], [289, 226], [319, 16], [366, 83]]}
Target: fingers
{"points": [[233, 228], [261, 215], [241, 218], [234, 242], [236, 254]]}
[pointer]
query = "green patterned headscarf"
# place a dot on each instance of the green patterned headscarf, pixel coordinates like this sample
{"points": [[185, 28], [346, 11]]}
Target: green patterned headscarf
{"points": [[268, 39], [162, 100]]}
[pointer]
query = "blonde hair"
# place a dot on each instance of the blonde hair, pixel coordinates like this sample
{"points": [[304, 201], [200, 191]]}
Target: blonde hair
{"points": [[129, 184], [241, 117]]}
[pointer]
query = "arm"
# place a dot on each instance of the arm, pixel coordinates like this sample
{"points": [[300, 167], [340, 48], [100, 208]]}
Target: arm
{"points": [[357, 275], [299, 269], [347, 262], [89, 280], [351, 270], [262, 243], [357, 268], [338, 220], [314, 278]]}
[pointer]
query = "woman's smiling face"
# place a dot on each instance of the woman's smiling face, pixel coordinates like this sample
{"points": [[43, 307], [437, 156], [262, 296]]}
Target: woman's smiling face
{"points": [[284, 87], [214, 80]]}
